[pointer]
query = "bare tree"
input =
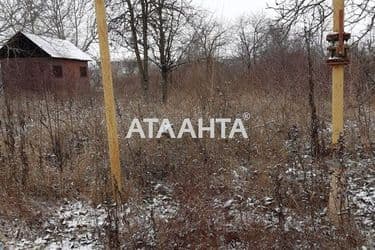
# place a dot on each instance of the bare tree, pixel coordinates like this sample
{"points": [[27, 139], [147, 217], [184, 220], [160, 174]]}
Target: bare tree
{"points": [[145, 6], [82, 23], [252, 32], [4, 16], [291, 12], [314, 120], [55, 17], [19, 15], [169, 42], [363, 12], [134, 24], [155, 31], [73, 20], [31, 12], [209, 36]]}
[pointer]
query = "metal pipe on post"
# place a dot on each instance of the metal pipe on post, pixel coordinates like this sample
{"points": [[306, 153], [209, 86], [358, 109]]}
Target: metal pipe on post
{"points": [[109, 101], [338, 75]]}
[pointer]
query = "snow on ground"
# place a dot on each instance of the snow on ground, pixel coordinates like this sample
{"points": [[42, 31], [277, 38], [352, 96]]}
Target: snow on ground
{"points": [[78, 225], [362, 196], [71, 225]]}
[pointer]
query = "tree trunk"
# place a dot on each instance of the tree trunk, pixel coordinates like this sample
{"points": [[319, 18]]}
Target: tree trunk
{"points": [[145, 87], [142, 63], [145, 78], [314, 123], [163, 53], [164, 84], [210, 72]]}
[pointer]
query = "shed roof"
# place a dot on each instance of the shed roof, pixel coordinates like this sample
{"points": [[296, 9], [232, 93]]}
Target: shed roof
{"points": [[57, 48]]}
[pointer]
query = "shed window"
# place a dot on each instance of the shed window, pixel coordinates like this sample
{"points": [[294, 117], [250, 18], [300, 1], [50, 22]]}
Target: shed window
{"points": [[83, 71], [57, 71]]}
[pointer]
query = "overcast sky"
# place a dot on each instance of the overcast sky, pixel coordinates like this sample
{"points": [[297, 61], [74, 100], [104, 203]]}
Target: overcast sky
{"points": [[231, 9], [224, 10]]}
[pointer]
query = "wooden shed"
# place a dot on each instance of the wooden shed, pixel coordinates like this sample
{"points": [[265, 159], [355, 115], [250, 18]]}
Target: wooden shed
{"points": [[38, 63]]}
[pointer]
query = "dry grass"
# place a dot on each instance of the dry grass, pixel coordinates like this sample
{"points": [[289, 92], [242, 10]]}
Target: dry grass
{"points": [[54, 148]]}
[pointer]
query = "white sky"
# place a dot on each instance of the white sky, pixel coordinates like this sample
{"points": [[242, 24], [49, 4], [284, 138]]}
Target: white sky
{"points": [[223, 10], [231, 9]]}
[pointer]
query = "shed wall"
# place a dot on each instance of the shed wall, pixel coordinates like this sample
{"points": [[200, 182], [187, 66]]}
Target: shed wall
{"points": [[36, 74]]}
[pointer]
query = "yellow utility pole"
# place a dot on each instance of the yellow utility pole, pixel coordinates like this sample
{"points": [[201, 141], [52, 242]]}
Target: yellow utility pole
{"points": [[338, 59], [109, 100]]}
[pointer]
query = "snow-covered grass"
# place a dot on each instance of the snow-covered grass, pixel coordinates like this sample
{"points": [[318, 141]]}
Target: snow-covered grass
{"points": [[80, 225]]}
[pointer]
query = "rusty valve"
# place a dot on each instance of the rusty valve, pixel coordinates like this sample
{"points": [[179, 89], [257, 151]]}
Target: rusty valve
{"points": [[339, 49]]}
